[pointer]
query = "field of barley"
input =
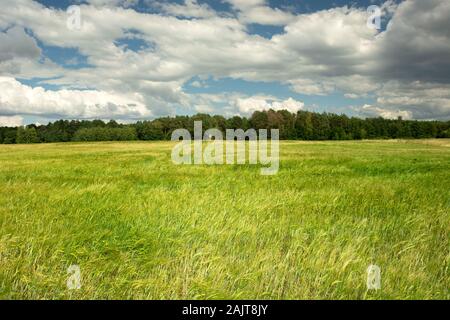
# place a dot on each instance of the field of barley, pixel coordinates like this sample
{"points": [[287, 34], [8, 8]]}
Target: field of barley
{"points": [[140, 227]]}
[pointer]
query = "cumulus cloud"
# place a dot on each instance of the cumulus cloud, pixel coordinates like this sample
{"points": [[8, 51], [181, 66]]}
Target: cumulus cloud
{"points": [[416, 44], [421, 100], [411, 100], [13, 121], [311, 87], [18, 51], [249, 105], [257, 11], [318, 53], [124, 3], [15, 43], [371, 111], [189, 9], [17, 98]]}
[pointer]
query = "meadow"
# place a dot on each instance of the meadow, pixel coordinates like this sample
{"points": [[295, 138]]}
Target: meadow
{"points": [[141, 227]]}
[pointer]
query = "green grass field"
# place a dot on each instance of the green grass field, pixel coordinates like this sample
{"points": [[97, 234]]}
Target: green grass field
{"points": [[140, 227]]}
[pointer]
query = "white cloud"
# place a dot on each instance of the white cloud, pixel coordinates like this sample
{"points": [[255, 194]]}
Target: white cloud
{"points": [[196, 84], [17, 98], [416, 44], [15, 43], [113, 3], [351, 95], [249, 105], [421, 100], [257, 11], [189, 9], [13, 121], [311, 87], [19, 52], [372, 112], [202, 108], [317, 54]]}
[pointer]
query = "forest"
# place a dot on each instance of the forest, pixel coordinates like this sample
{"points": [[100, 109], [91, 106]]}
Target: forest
{"points": [[303, 125]]}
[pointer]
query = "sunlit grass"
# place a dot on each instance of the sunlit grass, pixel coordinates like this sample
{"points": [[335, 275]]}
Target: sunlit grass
{"points": [[142, 228]]}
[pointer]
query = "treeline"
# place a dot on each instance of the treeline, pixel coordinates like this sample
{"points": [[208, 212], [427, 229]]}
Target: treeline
{"points": [[302, 125]]}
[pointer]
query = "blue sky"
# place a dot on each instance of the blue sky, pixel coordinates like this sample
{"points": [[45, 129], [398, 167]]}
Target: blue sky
{"points": [[139, 59], [297, 6]]}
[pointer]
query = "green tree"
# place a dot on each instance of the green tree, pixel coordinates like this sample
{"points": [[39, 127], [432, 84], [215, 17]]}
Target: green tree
{"points": [[26, 135], [9, 135], [105, 134], [304, 125], [151, 130], [259, 120]]}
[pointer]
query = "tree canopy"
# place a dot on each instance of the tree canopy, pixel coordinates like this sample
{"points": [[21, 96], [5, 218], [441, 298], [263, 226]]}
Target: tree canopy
{"points": [[303, 125]]}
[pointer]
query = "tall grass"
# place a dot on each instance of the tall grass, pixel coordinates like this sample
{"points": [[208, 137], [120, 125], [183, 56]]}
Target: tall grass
{"points": [[140, 227]]}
